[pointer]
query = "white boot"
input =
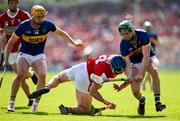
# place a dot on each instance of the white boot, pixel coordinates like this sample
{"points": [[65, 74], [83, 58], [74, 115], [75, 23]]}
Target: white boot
{"points": [[11, 106], [35, 105]]}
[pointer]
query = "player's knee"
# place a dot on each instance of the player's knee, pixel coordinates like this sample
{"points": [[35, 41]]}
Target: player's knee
{"points": [[62, 77], [20, 75]]}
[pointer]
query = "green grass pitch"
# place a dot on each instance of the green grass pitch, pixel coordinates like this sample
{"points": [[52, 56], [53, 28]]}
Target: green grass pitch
{"points": [[126, 104]]}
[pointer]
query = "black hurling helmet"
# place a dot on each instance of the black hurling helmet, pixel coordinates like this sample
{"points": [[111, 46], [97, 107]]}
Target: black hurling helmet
{"points": [[118, 64]]}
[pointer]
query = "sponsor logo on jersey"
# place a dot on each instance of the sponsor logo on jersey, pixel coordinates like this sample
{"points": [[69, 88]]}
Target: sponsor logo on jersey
{"points": [[34, 39]]}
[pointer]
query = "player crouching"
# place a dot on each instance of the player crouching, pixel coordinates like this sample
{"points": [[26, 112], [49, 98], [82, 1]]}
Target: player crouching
{"points": [[108, 66]]}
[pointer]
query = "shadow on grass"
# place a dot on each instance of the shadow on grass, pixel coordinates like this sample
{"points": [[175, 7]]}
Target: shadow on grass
{"points": [[17, 108], [134, 116], [26, 112], [46, 113], [36, 113]]}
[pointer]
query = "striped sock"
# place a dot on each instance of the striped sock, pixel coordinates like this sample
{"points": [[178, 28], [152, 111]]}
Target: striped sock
{"points": [[157, 98], [12, 98], [142, 101]]}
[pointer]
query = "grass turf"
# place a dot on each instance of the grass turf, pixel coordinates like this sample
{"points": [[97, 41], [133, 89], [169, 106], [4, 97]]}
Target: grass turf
{"points": [[126, 104]]}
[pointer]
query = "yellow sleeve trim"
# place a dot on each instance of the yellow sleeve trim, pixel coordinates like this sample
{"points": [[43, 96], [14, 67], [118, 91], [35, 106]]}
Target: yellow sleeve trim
{"points": [[16, 36], [145, 46]]}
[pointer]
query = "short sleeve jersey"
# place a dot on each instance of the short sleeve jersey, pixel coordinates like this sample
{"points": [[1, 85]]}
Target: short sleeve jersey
{"points": [[134, 50], [9, 23], [34, 39], [100, 66]]}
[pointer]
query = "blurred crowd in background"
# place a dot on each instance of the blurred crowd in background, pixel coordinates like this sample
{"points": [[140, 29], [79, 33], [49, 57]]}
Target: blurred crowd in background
{"points": [[96, 23]]}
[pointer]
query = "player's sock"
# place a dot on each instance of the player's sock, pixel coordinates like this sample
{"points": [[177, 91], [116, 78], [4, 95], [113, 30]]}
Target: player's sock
{"points": [[29, 96], [70, 110], [12, 98], [142, 101], [34, 78], [157, 98]]}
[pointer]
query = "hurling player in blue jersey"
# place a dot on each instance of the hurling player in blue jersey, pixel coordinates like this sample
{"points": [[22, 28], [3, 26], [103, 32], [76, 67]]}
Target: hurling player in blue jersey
{"points": [[154, 43], [33, 33], [135, 48]]}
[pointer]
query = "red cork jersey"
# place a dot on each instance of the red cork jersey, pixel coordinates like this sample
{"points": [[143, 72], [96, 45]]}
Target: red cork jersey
{"points": [[100, 66], [8, 24]]}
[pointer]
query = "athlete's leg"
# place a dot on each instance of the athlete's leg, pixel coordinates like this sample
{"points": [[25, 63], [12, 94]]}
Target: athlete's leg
{"points": [[136, 90], [40, 68], [136, 85], [155, 79], [83, 103], [153, 70], [57, 79], [54, 82], [22, 68], [24, 84], [147, 79]]}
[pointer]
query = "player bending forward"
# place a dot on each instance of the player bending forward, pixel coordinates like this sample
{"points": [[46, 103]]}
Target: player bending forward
{"points": [[108, 66]]}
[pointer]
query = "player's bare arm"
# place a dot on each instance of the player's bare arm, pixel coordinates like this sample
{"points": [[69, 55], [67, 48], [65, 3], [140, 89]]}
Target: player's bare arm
{"points": [[128, 67], [95, 93], [121, 86], [145, 61], [3, 39], [93, 90], [9, 46], [68, 38]]}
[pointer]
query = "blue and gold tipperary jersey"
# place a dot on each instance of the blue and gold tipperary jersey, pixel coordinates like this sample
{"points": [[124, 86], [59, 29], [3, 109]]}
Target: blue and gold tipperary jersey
{"points": [[134, 51], [33, 39]]}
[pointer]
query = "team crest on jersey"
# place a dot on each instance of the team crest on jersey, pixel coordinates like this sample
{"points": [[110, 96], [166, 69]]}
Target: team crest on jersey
{"points": [[5, 24], [130, 49], [12, 21], [19, 20], [135, 45], [36, 32]]}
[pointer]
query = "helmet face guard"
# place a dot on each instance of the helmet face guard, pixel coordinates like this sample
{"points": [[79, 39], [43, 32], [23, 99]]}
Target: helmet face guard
{"points": [[118, 70], [38, 10], [125, 26], [124, 30], [118, 64], [38, 14]]}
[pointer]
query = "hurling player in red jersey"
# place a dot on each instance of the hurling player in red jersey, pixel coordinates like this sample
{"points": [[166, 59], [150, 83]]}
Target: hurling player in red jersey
{"points": [[9, 20], [108, 66]]}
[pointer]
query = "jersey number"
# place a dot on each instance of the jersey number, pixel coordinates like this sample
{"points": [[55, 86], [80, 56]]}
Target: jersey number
{"points": [[101, 58]]}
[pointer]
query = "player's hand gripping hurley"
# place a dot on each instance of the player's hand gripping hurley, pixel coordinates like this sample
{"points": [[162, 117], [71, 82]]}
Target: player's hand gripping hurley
{"points": [[101, 80]]}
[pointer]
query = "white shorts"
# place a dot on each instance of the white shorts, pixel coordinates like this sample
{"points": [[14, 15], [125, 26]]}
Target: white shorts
{"points": [[31, 59], [154, 61], [79, 74], [12, 58]]}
